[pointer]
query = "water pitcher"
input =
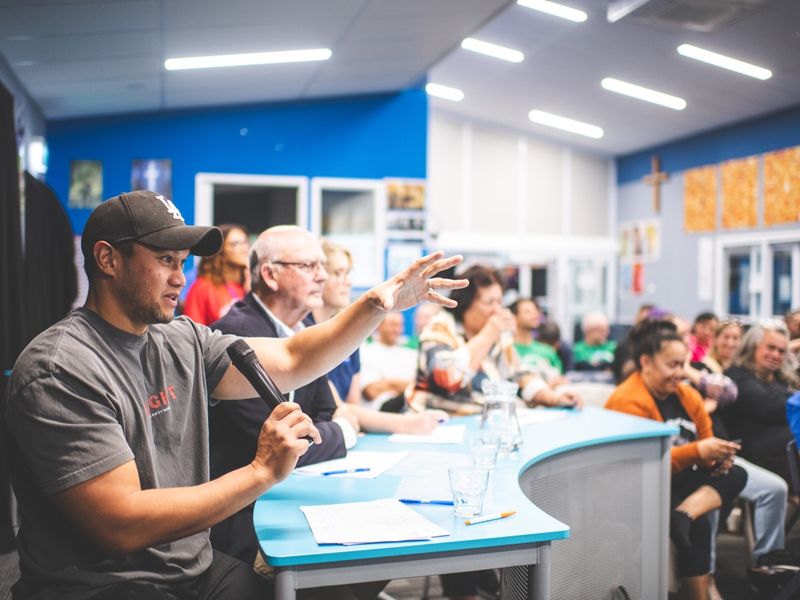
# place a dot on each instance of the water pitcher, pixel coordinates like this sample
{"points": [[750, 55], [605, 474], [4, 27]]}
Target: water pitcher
{"points": [[500, 413]]}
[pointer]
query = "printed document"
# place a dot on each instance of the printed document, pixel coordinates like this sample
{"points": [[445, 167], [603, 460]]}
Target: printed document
{"points": [[376, 521]]}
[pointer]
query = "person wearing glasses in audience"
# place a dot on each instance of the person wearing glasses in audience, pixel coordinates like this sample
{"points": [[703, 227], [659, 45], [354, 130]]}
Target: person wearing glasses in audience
{"points": [[105, 421], [461, 348], [704, 476], [222, 279], [764, 374], [345, 377]]}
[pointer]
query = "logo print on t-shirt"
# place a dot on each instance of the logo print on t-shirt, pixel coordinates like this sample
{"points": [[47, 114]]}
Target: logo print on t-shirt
{"points": [[158, 403], [171, 208]]}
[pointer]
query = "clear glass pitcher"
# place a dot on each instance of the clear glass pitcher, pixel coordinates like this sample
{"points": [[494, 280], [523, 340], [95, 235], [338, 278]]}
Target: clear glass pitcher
{"points": [[500, 413]]}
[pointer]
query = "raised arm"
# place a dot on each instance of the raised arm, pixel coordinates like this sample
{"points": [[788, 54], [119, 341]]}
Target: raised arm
{"points": [[294, 361]]}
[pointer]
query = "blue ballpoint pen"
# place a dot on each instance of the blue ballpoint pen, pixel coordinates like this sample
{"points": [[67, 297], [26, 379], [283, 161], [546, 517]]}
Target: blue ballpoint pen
{"points": [[442, 502], [344, 471]]}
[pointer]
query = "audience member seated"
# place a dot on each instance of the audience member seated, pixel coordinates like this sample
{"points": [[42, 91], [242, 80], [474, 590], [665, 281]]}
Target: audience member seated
{"points": [[623, 362], [221, 280], [474, 341], [594, 352], [422, 316], [701, 335], [765, 378], [533, 352], [550, 333], [704, 477], [765, 490], [288, 274], [387, 367], [344, 378]]}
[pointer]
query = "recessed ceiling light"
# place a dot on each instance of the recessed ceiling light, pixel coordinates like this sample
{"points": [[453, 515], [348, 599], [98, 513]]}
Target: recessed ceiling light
{"points": [[493, 50], [726, 62], [571, 125], [242, 60], [444, 91], [555, 9], [643, 93]]}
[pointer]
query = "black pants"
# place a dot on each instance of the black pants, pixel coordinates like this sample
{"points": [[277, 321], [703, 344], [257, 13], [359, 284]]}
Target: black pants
{"points": [[697, 560], [226, 578]]}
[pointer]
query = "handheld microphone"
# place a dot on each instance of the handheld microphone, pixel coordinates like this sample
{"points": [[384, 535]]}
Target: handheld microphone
{"points": [[245, 359]]}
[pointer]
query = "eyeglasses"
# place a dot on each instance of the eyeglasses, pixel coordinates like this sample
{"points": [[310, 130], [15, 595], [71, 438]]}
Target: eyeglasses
{"points": [[312, 266]]}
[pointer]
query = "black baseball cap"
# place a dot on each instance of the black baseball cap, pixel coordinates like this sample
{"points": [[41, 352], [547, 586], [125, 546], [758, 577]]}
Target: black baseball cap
{"points": [[148, 218]]}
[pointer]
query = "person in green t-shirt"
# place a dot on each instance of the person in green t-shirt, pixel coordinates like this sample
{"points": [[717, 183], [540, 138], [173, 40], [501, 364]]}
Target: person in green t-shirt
{"points": [[595, 352], [531, 351]]}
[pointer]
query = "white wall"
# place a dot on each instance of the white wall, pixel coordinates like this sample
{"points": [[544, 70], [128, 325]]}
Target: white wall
{"points": [[487, 179]]}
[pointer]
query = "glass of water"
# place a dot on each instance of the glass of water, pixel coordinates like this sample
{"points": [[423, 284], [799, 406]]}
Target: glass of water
{"points": [[468, 485], [484, 446]]}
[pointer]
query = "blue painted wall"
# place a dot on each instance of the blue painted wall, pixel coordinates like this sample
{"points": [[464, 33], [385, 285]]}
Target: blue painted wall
{"points": [[764, 134], [363, 137]]}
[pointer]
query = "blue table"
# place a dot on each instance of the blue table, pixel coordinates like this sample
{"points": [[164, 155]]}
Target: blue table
{"points": [[520, 541]]}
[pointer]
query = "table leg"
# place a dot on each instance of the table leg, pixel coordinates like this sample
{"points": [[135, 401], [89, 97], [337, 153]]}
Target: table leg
{"points": [[539, 575], [285, 585]]}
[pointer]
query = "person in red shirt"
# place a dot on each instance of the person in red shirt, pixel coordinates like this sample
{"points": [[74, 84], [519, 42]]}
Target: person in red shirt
{"points": [[222, 279], [705, 324]]}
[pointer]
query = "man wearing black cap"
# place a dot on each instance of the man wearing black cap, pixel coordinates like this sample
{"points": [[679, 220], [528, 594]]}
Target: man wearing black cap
{"points": [[106, 416]]}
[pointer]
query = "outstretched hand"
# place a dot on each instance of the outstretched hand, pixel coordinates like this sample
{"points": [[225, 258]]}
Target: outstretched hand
{"points": [[417, 284]]}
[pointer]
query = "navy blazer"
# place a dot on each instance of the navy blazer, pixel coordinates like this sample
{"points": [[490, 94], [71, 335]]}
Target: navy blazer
{"points": [[234, 426]]}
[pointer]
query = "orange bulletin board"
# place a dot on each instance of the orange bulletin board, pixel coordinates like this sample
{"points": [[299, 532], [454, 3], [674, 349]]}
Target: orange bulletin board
{"points": [[739, 190], [782, 186], [700, 199]]}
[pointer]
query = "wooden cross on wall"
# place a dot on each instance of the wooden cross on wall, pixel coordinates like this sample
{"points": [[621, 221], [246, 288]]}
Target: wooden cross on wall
{"points": [[656, 178]]}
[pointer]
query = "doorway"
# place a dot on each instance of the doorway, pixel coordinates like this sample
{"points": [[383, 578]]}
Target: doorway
{"points": [[255, 201]]}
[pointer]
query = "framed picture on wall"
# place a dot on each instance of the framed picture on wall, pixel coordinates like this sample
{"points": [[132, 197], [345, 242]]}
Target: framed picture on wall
{"points": [[405, 204], [154, 174], [85, 183]]}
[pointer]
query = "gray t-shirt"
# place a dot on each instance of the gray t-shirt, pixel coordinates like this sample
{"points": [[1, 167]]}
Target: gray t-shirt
{"points": [[85, 398]]}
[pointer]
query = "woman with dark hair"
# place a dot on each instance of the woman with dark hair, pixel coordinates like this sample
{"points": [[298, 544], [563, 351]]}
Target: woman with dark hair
{"points": [[222, 279], [704, 477], [472, 342], [763, 371]]}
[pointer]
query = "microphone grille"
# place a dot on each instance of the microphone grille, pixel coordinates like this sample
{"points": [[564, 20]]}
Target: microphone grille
{"points": [[238, 351]]}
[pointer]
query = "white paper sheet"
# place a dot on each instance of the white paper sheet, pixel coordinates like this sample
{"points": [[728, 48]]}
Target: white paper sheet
{"points": [[376, 462], [444, 434], [376, 521]]}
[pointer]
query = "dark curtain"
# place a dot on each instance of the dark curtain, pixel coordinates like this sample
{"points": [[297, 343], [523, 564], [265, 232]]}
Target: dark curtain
{"points": [[50, 278], [12, 313]]}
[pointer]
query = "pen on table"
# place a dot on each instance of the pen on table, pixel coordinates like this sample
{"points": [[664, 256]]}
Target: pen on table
{"points": [[344, 471], [410, 501], [492, 517]]}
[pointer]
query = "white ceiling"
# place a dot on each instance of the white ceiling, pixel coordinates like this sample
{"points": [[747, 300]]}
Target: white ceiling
{"points": [[95, 57]]}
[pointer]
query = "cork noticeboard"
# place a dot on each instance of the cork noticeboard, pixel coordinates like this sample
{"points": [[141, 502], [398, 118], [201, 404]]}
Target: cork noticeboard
{"points": [[739, 193], [700, 199], [782, 186]]}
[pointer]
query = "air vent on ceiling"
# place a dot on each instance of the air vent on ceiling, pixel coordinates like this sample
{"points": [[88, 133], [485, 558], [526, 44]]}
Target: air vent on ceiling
{"points": [[697, 15]]}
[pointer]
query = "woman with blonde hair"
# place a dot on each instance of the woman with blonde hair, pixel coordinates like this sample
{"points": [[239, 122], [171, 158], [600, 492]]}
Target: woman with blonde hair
{"points": [[222, 279]]}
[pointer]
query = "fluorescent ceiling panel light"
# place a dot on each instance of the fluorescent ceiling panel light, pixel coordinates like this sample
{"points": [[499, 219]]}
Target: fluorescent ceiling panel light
{"points": [[444, 91], [726, 62], [643, 93], [571, 125], [493, 50], [555, 9], [243, 60]]}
